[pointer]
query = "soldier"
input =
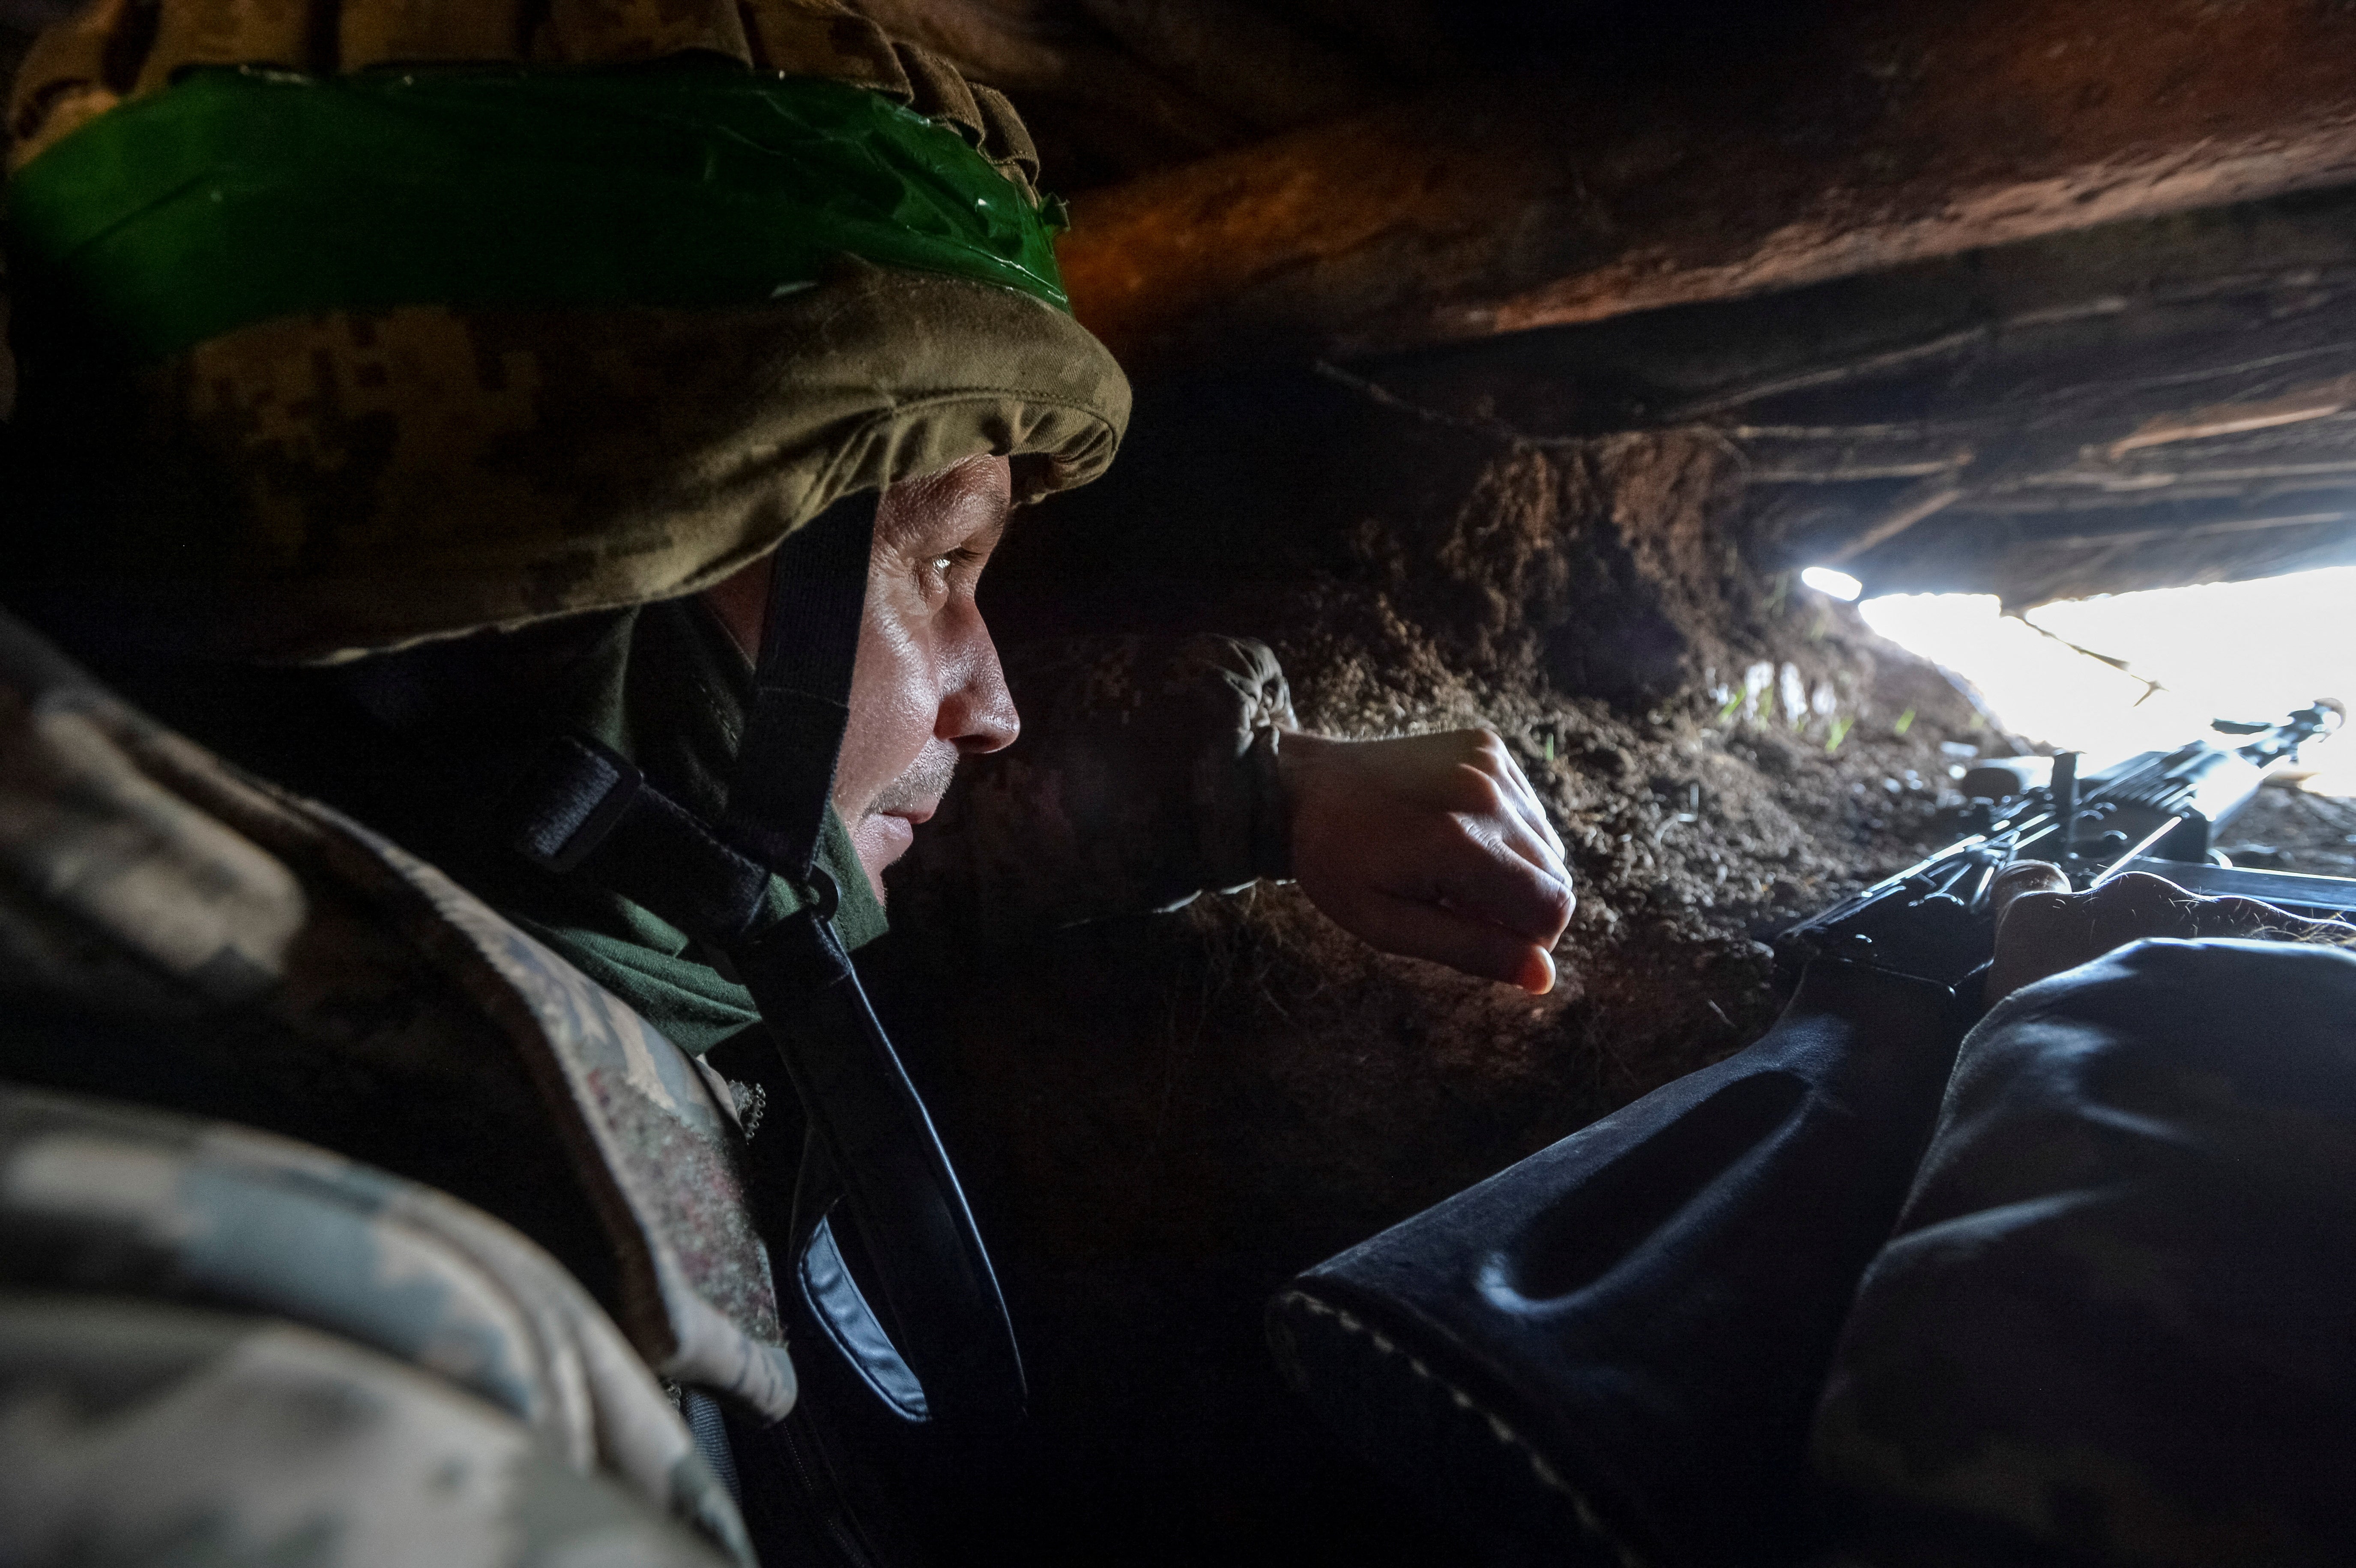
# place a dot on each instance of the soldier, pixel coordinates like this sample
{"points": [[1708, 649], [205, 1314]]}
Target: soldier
{"points": [[565, 439]]}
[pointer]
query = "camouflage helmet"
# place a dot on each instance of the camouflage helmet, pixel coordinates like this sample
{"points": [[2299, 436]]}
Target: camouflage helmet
{"points": [[349, 326]]}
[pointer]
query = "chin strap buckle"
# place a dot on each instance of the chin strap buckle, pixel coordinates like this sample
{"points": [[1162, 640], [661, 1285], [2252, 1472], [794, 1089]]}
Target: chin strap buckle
{"points": [[820, 895]]}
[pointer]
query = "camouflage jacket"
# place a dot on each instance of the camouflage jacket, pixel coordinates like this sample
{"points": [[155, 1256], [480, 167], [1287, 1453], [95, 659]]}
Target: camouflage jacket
{"points": [[342, 1363], [440, 1340]]}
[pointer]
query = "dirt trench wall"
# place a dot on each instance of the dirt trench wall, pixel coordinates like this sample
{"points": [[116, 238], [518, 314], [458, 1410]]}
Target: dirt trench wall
{"points": [[1163, 1118], [1602, 566], [1605, 563]]}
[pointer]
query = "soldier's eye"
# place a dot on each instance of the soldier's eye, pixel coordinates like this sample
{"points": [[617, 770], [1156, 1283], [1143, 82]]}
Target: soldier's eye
{"points": [[941, 563]]}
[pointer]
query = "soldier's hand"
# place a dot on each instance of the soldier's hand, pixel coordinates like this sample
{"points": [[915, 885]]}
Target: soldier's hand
{"points": [[2044, 928], [1432, 847]]}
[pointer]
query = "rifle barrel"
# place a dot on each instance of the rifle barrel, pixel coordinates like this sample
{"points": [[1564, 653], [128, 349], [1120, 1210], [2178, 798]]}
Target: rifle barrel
{"points": [[1933, 922]]}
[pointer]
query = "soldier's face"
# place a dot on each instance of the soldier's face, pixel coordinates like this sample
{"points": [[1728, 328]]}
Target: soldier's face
{"points": [[928, 688]]}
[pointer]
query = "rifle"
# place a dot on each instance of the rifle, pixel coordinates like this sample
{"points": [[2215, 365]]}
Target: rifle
{"points": [[1934, 922], [1611, 1351]]}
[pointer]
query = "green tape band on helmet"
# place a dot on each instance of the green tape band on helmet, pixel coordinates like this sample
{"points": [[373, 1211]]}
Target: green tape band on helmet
{"points": [[240, 195]]}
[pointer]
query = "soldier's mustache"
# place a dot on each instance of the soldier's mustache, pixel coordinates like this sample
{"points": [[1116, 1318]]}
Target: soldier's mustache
{"points": [[927, 780]]}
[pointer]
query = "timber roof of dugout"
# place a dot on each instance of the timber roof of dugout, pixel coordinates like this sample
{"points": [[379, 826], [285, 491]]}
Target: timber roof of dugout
{"points": [[2039, 297]]}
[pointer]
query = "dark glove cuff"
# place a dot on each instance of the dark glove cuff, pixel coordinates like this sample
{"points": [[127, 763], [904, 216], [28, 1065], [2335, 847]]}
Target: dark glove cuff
{"points": [[1271, 842]]}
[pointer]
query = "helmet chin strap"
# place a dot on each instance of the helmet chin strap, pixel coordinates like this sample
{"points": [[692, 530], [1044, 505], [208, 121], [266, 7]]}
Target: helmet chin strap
{"points": [[941, 1346], [868, 1125], [801, 690]]}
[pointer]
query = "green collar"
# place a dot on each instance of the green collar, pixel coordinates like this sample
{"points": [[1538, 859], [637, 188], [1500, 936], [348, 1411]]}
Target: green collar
{"points": [[668, 688]]}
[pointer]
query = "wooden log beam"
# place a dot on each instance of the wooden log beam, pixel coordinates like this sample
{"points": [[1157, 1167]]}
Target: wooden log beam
{"points": [[1897, 133]]}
